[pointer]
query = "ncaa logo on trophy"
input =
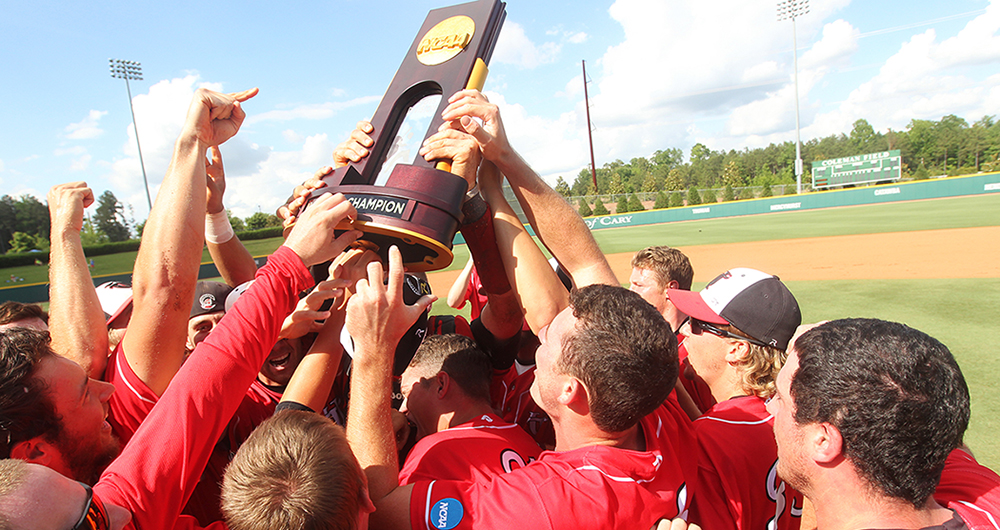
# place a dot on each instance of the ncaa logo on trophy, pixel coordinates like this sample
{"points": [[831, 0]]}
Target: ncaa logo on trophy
{"points": [[412, 203]]}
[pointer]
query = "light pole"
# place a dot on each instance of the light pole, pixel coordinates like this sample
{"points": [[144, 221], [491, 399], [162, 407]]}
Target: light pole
{"points": [[131, 70], [790, 9]]}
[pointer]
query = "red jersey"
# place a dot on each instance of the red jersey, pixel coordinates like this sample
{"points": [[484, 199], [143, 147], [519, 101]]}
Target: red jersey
{"points": [[159, 467], [474, 451], [510, 395], [972, 490], [132, 399], [591, 487], [258, 405], [738, 484], [475, 295]]}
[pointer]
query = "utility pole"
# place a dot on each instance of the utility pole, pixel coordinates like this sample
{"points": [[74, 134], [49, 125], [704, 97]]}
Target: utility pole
{"points": [[590, 130]]}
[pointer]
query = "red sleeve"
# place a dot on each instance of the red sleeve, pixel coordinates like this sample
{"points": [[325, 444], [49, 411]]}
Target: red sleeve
{"points": [[132, 399], [970, 489], [158, 469]]}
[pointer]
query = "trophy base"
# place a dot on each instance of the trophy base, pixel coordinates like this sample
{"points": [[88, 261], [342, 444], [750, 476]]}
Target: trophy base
{"points": [[418, 210], [420, 253]]}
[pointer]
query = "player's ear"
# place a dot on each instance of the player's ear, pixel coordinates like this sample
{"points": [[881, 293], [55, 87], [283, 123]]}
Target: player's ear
{"points": [[35, 451], [441, 384], [738, 351], [826, 442], [573, 394], [672, 284]]}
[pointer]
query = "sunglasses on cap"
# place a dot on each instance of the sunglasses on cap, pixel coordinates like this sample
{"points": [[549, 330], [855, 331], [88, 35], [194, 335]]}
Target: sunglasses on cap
{"points": [[700, 326], [95, 515]]}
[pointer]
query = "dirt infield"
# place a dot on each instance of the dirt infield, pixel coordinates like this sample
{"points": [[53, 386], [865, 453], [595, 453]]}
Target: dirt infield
{"points": [[952, 253]]}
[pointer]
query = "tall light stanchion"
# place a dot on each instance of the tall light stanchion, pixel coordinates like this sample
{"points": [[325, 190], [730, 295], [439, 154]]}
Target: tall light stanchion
{"points": [[790, 9], [131, 70]]}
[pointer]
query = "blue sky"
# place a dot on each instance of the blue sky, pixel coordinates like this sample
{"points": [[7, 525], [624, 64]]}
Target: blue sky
{"points": [[663, 74]]}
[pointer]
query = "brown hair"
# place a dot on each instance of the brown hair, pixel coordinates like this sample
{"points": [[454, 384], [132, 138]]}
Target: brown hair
{"points": [[667, 263], [624, 353], [25, 409], [460, 358], [295, 471], [12, 311]]}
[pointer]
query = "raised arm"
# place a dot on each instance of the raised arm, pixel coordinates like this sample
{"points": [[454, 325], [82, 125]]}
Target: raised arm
{"points": [[538, 289], [166, 268], [502, 314], [557, 224], [313, 378], [377, 318], [76, 321], [233, 260], [456, 294]]}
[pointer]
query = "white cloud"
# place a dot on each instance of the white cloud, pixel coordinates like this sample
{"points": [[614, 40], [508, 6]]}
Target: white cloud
{"points": [[80, 163], [271, 181], [925, 79], [87, 128], [80, 157], [291, 136], [514, 47], [1, 165], [577, 38]]}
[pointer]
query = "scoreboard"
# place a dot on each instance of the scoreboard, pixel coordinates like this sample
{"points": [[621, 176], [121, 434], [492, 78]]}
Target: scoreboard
{"points": [[858, 169]]}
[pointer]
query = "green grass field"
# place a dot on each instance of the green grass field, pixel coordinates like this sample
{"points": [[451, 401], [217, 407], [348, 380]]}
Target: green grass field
{"points": [[961, 313]]}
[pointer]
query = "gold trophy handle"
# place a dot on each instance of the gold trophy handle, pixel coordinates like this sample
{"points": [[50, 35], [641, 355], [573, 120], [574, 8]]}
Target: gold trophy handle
{"points": [[477, 79]]}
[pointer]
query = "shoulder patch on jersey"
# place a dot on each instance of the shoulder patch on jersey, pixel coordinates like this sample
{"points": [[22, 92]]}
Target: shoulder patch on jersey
{"points": [[446, 514]]}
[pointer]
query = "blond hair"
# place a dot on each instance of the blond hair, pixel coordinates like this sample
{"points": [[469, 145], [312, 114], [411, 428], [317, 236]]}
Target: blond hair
{"points": [[295, 471]]}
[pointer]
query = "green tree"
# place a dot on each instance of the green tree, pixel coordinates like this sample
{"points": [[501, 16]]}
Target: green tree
{"points": [[622, 205], [110, 217], [863, 137], [261, 220], [766, 191], [616, 187], [90, 235], [585, 210], [599, 208], [562, 188], [634, 204], [668, 159], [727, 194], [235, 222], [708, 196], [733, 175], [693, 196], [661, 201], [22, 242], [649, 184], [921, 173], [8, 221], [676, 199], [32, 217], [674, 180]]}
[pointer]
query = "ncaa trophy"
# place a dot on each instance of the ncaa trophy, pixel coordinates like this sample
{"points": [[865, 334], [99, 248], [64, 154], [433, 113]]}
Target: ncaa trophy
{"points": [[418, 206]]}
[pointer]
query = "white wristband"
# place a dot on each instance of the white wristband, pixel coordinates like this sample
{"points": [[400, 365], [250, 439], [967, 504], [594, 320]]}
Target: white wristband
{"points": [[217, 228]]}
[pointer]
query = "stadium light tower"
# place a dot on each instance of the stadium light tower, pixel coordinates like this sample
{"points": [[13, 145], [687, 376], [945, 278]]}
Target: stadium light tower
{"points": [[131, 70], [790, 9]]}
